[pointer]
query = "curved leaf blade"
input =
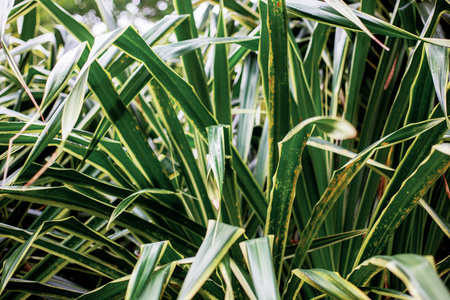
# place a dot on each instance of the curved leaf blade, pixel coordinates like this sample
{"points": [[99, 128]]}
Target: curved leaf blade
{"points": [[343, 176], [125, 203], [61, 73], [216, 163], [140, 279], [289, 167], [438, 62], [218, 240], [167, 52], [330, 283], [346, 11], [113, 290], [5, 9], [417, 273]]}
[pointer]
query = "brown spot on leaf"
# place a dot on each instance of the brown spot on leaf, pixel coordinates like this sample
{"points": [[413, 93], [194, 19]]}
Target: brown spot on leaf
{"points": [[391, 74]]}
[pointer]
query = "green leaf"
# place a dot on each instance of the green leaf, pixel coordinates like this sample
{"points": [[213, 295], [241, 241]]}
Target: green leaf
{"points": [[113, 290], [216, 163], [72, 225], [125, 203], [438, 62], [285, 179], [346, 11], [443, 267], [416, 272], [20, 9], [343, 176], [258, 256], [11, 264], [45, 138], [323, 13], [41, 289], [387, 293], [64, 197], [140, 285], [131, 43], [441, 222], [197, 185], [167, 52], [74, 101], [78, 29], [221, 83], [192, 62], [402, 203], [326, 241], [244, 279], [330, 283], [263, 57], [301, 89], [127, 128], [5, 9], [218, 240], [61, 73], [61, 251], [278, 98], [195, 111], [162, 28]]}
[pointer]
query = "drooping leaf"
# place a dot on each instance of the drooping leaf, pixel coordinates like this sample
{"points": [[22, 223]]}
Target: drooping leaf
{"points": [[416, 272], [125, 203], [322, 12], [330, 283], [285, 179], [346, 11]]}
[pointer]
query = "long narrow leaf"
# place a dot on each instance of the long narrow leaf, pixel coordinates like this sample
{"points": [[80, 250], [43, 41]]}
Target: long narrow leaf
{"points": [[219, 238], [258, 256], [285, 179], [416, 272], [341, 179], [330, 283], [405, 200]]}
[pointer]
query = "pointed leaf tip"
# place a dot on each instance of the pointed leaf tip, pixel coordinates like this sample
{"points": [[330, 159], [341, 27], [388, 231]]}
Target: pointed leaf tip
{"points": [[5, 9]]}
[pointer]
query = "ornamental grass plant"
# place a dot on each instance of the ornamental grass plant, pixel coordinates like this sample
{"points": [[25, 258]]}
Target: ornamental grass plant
{"points": [[280, 149]]}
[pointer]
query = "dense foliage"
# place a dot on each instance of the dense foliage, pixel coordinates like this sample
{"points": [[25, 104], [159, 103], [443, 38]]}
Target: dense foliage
{"points": [[270, 150]]}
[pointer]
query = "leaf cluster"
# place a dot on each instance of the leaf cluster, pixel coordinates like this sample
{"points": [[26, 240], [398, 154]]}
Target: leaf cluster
{"points": [[275, 150]]}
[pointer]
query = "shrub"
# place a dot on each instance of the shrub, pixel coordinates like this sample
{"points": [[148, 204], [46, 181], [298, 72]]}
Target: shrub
{"points": [[238, 154]]}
